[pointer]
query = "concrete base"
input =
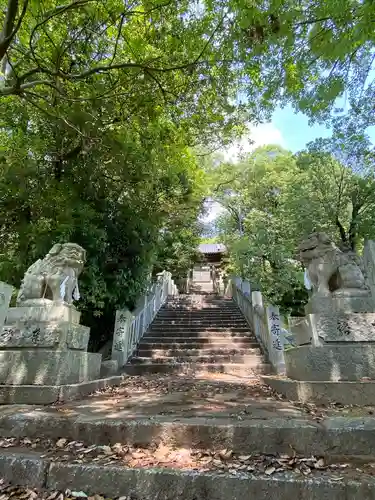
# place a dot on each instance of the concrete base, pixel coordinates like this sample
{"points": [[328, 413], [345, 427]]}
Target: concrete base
{"points": [[48, 394], [44, 367], [345, 393], [333, 362]]}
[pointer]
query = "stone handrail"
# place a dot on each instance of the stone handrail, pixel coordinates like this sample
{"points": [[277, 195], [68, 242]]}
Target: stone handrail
{"points": [[265, 322], [131, 326]]}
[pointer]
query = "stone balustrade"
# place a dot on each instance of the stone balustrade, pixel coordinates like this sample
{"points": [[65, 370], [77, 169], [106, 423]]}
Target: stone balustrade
{"points": [[131, 326], [265, 321]]}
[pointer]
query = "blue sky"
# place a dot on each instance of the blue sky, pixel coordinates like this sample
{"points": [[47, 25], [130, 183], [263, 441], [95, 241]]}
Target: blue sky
{"points": [[295, 130], [287, 128]]}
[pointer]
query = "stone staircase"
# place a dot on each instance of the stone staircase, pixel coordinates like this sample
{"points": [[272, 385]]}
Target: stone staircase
{"points": [[196, 334]]}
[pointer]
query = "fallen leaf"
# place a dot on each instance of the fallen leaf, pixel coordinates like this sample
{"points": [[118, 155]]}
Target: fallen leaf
{"points": [[225, 454], [53, 495], [61, 442], [107, 450], [79, 494], [270, 470]]}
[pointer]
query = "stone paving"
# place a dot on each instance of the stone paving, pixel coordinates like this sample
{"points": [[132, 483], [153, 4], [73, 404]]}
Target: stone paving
{"points": [[214, 436], [212, 396]]}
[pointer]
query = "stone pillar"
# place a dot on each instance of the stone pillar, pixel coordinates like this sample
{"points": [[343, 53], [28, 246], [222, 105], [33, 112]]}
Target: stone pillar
{"points": [[246, 288], [275, 345], [369, 264], [121, 337], [5, 296], [257, 301]]}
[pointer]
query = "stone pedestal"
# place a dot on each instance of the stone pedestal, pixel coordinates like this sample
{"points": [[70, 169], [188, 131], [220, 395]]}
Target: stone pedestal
{"points": [[46, 367], [333, 349], [336, 339], [342, 347], [358, 301], [333, 362], [44, 348]]}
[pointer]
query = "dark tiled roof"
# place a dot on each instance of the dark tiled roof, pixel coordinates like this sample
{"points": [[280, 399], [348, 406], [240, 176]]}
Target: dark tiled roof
{"points": [[212, 248]]}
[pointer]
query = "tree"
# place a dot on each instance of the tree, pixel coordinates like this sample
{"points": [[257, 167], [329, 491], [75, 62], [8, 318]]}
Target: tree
{"points": [[341, 171], [294, 50], [112, 191], [329, 187], [257, 227]]}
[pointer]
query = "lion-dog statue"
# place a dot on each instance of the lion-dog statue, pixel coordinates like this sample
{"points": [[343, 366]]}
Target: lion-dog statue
{"points": [[330, 270], [55, 277]]}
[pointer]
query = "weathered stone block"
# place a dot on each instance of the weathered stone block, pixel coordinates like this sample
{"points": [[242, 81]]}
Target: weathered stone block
{"points": [[324, 392], [23, 470], [109, 368], [354, 327], [46, 367], [29, 394], [52, 335], [77, 391], [301, 330], [332, 304], [5, 296], [331, 362], [49, 394], [49, 311]]}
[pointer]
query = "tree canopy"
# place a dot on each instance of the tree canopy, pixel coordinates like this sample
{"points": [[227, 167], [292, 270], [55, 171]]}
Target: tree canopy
{"points": [[273, 199], [108, 106], [303, 51]]}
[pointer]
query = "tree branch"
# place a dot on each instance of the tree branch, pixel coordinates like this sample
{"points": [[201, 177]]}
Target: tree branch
{"points": [[342, 231], [9, 31]]}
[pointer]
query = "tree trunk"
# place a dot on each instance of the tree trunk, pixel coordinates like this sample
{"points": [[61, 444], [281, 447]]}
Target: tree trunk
{"points": [[342, 231]]}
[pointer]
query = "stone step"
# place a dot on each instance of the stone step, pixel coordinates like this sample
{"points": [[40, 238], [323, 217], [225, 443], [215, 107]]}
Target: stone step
{"points": [[206, 351], [200, 314], [198, 334], [200, 307], [195, 368], [198, 342], [175, 320], [51, 475], [250, 360], [340, 436], [197, 328], [202, 310]]}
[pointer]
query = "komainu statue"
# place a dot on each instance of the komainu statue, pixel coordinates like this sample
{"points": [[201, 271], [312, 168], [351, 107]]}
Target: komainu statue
{"points": [[330, 270], [55, 277]]}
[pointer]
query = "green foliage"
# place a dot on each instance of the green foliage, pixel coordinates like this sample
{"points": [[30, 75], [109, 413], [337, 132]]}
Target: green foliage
{"points": [[112, 189], [194, 54], [104, 103], [274, 199]]}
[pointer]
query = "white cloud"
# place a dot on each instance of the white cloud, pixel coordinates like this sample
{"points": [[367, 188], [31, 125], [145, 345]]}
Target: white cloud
{"points": [[265, 133]]}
